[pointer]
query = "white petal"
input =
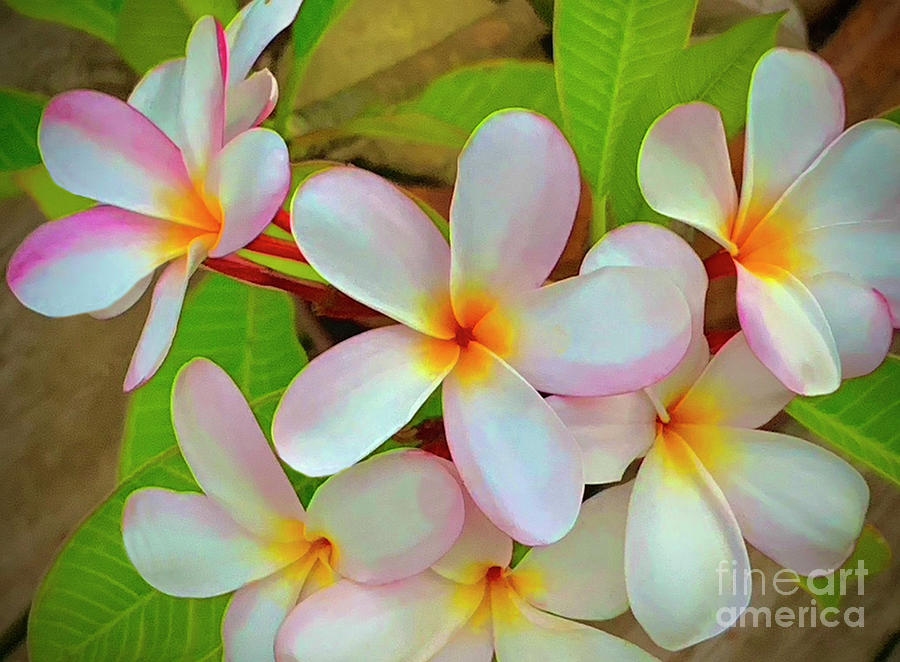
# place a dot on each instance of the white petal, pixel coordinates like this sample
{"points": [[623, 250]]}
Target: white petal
{"points": [[258, 23], [158, 96], [126, 302], [249, 102], [473, 642]]}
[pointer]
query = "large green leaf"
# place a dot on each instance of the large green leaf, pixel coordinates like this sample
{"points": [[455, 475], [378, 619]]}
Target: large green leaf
{"points": [[453, 105], [20, 114], [249, 331], [97, 17], [54, 201], [150, 31], [94, 606], [717, 72], [604, 52], [860, 418]]}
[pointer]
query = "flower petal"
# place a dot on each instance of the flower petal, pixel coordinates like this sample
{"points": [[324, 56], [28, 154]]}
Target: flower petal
{"points": [[682, 549], [158, 96], [684, 172], [251, 31], [100, 147], [525, 634], [228, 453], [473, 642], [131, 297], [615, 330], [581, 576], [249, 103], [373, 243], [519, 463], [795, 109], [799, 504], [654, 247], [256, 613], [352, 398], [250, 177], [202, 109], [479, 547], [612, 431], [388, 517], [859, 319], [855, 179], [162, 321], [406, 620], [786, 329], [91, 260], [513, 209], [735, 389], [186, 545]]}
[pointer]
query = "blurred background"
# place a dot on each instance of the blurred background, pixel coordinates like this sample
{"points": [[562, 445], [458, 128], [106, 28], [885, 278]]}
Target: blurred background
{"points": [[61, 404]]}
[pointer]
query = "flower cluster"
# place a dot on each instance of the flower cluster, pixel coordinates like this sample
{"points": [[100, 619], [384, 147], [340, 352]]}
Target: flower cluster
{"points": [[545, 386]]}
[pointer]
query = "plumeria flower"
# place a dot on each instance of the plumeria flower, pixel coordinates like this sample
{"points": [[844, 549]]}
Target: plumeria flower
{"points": [[474, 316], [383, 520], [818, 222], [709, 478], [473, 605], [197, 184]]}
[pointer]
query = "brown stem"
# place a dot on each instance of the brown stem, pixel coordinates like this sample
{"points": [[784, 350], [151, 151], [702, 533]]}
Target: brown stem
{"points": [[719, 265]]}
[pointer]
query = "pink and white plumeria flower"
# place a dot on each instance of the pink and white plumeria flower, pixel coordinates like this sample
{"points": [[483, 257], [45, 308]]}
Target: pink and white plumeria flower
{"points": [[475, 316], [709, 478], [189, 186], [817, 227], [472, 605], [383, 520]]}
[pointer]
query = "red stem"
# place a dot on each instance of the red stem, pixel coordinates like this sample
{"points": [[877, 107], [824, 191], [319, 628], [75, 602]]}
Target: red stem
{"points": [[719, 265], [718, 338], [283, 220], [276, 247]]}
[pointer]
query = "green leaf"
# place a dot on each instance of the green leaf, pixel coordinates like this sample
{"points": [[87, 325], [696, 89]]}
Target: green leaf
{"points": [[150, 31], [892, 115], [453, 105], [96, 17], [248, 331], [715, 71], [860, 418], [20, 115], [53, 201], [604, 52], [544, 10], [93, 605]]}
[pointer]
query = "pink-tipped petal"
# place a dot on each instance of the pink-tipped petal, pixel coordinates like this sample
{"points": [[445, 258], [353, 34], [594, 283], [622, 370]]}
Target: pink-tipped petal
{"points": [[513, 209], [859, 319], [518, 461], [654, 247], [158, 96], [735, 389], [202, 109], [786, 329], [126, 302], [249, 102], [256, 613], [252, 29], [228, 453], [91, 260], [162, 321], [352, 398], [525, 634], [797, 503], [795, 109], [250, 178], [406, 620], [684, 172], [186, 545], [388, 517], [100, 147], [612, 431], [479, 547], [683, 548], [614, 330], [582, 576], [372, 242]]}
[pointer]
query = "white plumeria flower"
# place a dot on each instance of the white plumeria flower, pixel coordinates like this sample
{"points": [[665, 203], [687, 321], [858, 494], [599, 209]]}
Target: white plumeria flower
{"points": [[815, 237], [474, 315], [472, 605], [385, 519], [182, 173], [709, 478]]}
